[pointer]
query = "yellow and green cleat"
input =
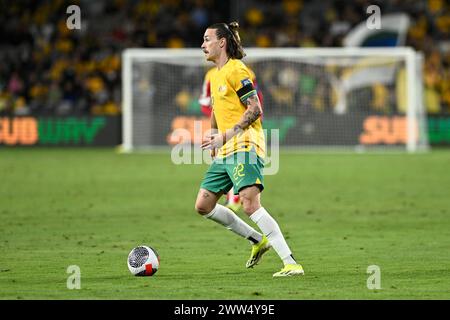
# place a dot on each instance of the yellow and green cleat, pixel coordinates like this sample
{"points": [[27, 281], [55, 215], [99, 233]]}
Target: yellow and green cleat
{"points": [[257, 251], [290, 270]]}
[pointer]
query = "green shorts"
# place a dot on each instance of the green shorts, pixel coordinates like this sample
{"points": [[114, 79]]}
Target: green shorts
{"points": [[239, 170]]}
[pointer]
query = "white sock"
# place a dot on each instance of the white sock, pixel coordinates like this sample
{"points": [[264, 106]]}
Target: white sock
{"points": [[231, 221], [272, 231]]}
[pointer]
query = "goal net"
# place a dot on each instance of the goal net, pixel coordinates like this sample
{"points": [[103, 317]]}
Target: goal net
{"points": [[356, 98]]}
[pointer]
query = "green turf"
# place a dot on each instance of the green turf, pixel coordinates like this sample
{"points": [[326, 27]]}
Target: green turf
{"points": [[340, 213]]}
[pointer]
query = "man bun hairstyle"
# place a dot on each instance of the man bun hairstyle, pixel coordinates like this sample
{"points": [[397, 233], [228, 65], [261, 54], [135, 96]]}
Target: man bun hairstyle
{"points": [[231, 34]]}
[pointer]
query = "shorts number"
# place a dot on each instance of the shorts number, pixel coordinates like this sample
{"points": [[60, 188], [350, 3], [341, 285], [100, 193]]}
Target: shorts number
{"points": [[238, 171]]}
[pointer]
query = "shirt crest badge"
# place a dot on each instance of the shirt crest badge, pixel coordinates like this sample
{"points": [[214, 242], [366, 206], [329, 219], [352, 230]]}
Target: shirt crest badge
{"points": [[245, 82]]}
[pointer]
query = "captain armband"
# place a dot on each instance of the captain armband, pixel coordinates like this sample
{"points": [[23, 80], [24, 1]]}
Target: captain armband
{"points": [[246, 92]]}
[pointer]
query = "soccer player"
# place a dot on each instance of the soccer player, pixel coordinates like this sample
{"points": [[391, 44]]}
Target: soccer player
{"points": [[238, 148], [232, 200]]}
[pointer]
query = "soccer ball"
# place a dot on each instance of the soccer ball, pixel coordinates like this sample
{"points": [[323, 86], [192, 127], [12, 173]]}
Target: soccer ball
{"points": [[143, 261]]}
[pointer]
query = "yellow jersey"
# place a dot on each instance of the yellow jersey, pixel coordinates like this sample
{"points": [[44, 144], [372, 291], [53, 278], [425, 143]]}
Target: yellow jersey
{"points": [[230, 88]]}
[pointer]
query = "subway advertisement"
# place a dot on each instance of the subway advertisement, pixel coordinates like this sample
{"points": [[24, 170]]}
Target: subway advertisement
{"points": [[60, 131], [324, 130], [316, 130]]}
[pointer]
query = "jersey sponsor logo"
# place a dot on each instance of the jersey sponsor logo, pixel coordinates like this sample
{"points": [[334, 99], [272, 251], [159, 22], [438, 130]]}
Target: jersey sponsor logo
{"points": [[246, 82], [223, 88]]}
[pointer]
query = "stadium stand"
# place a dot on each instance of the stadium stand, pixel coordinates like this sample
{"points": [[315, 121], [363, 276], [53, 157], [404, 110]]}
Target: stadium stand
{"points": [[48, 69]]}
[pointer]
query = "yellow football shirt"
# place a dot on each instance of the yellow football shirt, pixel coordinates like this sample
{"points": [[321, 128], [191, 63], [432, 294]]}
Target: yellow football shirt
{"points": [[228, 107]]}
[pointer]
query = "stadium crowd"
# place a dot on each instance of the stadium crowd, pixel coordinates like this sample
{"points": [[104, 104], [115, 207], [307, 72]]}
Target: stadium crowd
{"points": [[47, 68]]}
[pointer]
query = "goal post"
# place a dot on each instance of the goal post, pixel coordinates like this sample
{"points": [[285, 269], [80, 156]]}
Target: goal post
{"points": [[356, 98]]}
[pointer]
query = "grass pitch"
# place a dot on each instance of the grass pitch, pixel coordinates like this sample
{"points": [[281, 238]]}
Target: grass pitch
{"points": [[340, 214]]}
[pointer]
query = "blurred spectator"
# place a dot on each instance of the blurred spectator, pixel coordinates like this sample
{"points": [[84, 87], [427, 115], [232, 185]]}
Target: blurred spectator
{"points": [[48, 69]]}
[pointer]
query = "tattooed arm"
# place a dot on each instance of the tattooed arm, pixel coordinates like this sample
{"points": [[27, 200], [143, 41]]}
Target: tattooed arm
{"points": [[250, 115]]}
